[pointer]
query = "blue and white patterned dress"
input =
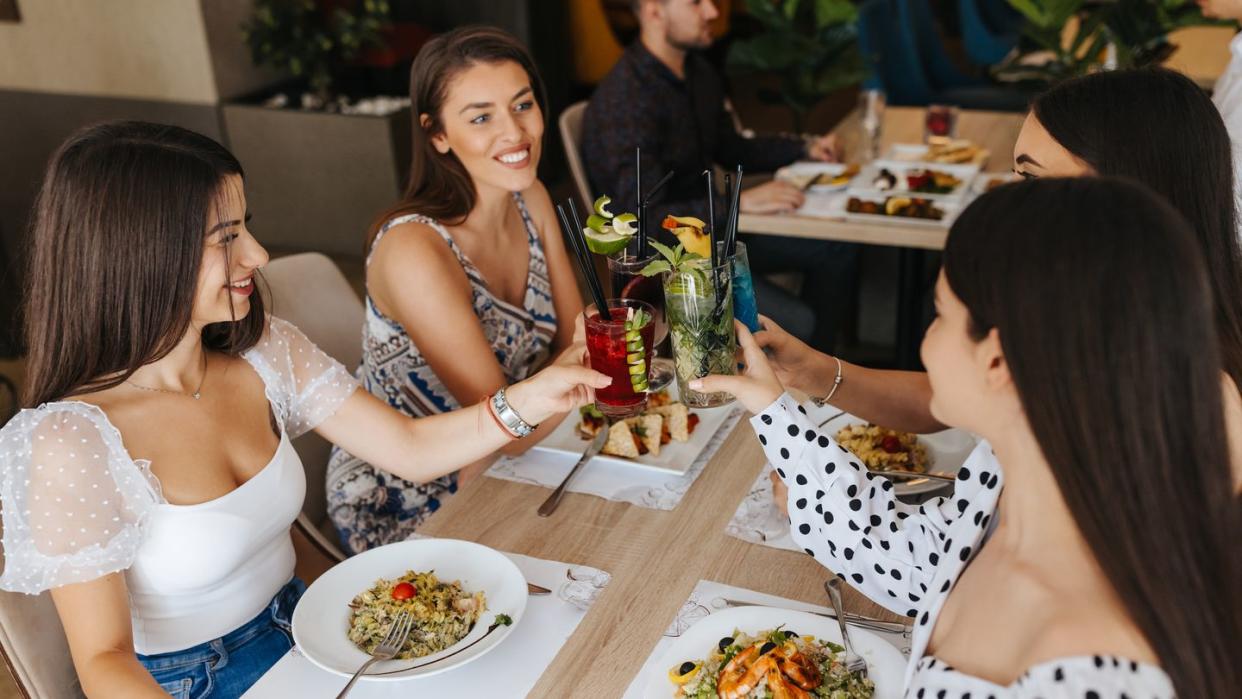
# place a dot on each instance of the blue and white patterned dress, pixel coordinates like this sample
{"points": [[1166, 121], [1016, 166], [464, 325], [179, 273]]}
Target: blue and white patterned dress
{"points": [[371, 507]]}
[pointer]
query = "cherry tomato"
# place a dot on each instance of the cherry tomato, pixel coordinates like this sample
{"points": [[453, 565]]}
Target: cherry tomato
{"points": [[403, 591], [891, 444]]}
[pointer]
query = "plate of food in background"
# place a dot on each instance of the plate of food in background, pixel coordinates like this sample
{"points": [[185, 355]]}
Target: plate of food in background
{"points": [[817, 177], [895, 177], [666, 437]]}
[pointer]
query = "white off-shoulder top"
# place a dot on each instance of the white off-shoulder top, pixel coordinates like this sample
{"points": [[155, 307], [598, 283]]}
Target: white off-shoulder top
{"points": [[908, 557], [77, 507]]}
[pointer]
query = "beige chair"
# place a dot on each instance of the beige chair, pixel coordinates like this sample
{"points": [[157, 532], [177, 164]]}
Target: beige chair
{"points": [[35, 649], [309, 291], [571, 135]]}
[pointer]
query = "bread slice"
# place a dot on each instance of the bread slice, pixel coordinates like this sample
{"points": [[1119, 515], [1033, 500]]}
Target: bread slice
{"points": [[678, 416], [648, 426], [621, 441]]}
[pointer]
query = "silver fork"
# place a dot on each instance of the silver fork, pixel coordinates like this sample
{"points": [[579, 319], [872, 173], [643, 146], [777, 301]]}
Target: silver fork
{"points": [[389, 647], [854, 663]]}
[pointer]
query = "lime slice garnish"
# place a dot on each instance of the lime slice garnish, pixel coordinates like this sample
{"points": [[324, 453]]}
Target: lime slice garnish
{"points": [[601, 205], [605, 242], [636, 354], [624, 224], [596, 223]]}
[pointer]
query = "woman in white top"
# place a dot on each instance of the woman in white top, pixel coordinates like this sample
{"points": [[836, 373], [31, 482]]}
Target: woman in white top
{"points": [[150, 484], [1074, 334], [1228, 91]]}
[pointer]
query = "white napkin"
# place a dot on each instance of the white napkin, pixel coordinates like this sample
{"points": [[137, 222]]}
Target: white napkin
{"points": [[510, 670], [637, 486]]}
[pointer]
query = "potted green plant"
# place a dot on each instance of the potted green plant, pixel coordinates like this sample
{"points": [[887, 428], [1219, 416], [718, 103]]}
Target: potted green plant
{"points": [[1104, 35], [320, 162], [811, 46]]}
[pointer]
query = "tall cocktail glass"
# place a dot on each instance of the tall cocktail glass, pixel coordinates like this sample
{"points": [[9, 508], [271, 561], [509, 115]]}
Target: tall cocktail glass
{"points": [[698, 302], [621, 348], [624, 273], [745, 308]]}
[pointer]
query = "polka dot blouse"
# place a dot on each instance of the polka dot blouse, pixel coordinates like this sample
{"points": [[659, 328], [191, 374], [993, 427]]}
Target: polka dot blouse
{"points": [[908, 557], [76, 507]]}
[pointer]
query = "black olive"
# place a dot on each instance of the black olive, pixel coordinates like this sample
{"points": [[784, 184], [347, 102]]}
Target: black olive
{"points": [[685, 668], [725, 643], [766, 647], [790, 634]]}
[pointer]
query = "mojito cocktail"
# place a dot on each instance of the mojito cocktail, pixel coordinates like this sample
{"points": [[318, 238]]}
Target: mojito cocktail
{"points": [[621, 348], [698, 303]]}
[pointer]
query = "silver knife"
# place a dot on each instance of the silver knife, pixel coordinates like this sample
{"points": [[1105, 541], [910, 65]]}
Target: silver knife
{"points": [[554, 500]]}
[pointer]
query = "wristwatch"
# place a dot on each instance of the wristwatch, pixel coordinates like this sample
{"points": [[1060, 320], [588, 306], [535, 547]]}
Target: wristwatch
{"points": [[508, 416]]}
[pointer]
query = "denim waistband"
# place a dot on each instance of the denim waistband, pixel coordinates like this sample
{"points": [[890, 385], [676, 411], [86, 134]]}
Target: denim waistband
{"points": [[278, 611]]}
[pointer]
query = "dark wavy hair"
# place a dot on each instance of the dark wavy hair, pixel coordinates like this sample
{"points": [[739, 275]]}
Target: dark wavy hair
{"points": [[1160, 128], [1104, 311], [118, 242], [440, 187]]}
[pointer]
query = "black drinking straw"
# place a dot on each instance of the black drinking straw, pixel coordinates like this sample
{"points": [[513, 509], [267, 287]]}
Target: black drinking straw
{"points": [[643, 248], [584, 260], [728, 190], [638, 199], [734, 208], [711, 218]]}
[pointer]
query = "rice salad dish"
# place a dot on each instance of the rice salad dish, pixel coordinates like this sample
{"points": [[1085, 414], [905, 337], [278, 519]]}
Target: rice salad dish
{"points": [[884, 449], [443, 613], [774, 664]]}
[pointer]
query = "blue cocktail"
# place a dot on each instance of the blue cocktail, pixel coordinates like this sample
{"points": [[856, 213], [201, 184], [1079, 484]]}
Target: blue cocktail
{"points": [[745, 308]]}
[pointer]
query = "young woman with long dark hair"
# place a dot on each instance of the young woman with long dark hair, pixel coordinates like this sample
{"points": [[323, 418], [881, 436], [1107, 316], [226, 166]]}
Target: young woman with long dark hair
{"points": [[150, 484], [1074, 333], [1154, 126], [468, 283]]}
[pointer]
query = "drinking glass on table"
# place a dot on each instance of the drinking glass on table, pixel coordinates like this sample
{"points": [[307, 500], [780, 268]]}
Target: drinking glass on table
{"points": [[940, 121], [621, 348], [871, 105], [698, 303], [624, 272], [745, 308]]}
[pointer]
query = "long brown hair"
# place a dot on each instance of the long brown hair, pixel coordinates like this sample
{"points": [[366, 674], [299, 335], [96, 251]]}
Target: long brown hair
{"points": [[1104, 311], [118, 243], [440, 187], [1160, 128]]}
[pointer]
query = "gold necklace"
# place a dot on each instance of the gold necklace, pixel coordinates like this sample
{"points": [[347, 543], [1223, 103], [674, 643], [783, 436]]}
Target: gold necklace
{"points": [[198, 392]]}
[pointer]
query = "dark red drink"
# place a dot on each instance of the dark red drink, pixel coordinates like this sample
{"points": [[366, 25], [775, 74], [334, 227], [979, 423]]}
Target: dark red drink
{"points": [[621, 348]]}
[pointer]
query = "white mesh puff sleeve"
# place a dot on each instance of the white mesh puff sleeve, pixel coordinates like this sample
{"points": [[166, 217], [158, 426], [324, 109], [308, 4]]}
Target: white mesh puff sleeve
{"points": [[74, 502], [304, 385]]}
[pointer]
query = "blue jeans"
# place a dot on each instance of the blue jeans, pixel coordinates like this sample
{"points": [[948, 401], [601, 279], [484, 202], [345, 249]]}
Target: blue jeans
{"points": [[226, 667]]}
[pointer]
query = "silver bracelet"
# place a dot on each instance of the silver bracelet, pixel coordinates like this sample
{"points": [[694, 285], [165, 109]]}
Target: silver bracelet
{"points": [[509, 417], [836, 383]]}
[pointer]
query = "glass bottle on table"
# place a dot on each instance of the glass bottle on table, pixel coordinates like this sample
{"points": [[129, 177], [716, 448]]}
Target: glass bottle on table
{"points": [[871, 104]]}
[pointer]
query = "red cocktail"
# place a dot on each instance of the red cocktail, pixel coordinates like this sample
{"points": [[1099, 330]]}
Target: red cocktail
{"points": [[621, 348]]}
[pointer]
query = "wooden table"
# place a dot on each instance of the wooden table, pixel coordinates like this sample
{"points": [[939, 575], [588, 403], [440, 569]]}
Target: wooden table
{"points": [[655, 559], [995, 131]]}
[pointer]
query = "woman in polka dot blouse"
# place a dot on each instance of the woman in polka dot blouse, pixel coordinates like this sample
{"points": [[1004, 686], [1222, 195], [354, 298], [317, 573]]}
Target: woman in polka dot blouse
{"points": [[150, 484], [1074, 334]]}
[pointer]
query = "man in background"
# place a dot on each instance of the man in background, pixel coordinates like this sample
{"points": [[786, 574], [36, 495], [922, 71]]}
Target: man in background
{"points": [[664, 97]]}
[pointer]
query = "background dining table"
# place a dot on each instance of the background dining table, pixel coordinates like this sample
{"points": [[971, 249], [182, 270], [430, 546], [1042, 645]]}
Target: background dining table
{"points": [[655, 558], [996, 132]]}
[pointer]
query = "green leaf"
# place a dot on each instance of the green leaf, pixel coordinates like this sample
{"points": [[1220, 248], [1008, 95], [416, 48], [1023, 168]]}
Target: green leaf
{"points": [[668, 253], [656, 267], [830, 12]]}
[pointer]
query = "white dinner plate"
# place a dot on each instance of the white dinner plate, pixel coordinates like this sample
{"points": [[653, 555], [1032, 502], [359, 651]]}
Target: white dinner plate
{"points": [[947, 450], [675, 457], [321, 619], [950, 207], [864, 184], [885, 666], [801, 172]]}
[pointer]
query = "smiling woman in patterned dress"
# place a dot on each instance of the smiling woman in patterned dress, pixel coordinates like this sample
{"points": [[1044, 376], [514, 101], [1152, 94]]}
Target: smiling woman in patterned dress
{"points": [[1074, 334], [468, 283]]}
